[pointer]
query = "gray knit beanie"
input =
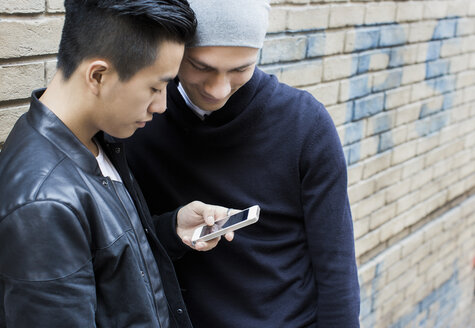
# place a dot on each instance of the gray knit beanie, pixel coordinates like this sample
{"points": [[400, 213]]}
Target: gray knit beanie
{"points": [[235, 23]]}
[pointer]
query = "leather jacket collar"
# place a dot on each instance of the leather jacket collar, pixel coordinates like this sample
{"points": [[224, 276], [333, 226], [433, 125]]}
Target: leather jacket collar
{"points": [[53, 129]]}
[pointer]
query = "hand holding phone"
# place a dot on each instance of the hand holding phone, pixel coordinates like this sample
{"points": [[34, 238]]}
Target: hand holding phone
{"points": [[230, 223]]}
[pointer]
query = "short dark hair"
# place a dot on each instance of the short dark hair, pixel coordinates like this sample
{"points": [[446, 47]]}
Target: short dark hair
{"points": [[126, 32]]}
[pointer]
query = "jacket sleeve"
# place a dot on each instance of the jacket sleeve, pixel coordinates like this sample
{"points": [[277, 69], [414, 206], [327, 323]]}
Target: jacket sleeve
{"points": [[329, 226], [47, 278], [165, 228]]}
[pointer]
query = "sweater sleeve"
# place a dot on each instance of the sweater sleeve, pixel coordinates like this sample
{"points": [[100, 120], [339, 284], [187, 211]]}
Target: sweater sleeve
{"points": [[329, 225], [165, 228], [46, 273]]}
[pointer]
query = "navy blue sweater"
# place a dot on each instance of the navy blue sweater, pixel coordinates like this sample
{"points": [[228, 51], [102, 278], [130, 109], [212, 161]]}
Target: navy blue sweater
{"points": [[277, 147]]}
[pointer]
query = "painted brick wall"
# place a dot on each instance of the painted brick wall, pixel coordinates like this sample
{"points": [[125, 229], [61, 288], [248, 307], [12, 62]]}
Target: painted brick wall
{"points": [[398, 78]]}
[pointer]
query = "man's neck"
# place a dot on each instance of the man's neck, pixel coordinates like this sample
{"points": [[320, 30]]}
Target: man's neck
{"points": [[62, 98]]}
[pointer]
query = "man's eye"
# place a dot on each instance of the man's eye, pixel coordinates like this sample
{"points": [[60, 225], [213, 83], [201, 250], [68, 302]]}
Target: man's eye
{"points": [[199, 68], [155, 90]]}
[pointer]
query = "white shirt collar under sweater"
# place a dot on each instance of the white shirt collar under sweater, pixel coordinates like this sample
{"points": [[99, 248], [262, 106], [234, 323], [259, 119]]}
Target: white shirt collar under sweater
{"points": [[198, 111], [106, 166]]}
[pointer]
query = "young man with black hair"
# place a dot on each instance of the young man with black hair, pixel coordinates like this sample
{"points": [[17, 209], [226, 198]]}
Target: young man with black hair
{"points": [[234, 135], [78, 245]]}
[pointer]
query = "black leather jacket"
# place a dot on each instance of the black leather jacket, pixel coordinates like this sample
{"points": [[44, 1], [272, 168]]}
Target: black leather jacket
{"points": [[78, 249]]}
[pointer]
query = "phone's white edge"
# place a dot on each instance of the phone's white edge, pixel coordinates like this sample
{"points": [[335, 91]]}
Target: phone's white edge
{"points": [[251, 218]]}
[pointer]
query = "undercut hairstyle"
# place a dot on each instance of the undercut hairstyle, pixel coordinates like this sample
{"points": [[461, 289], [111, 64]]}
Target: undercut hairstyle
{"points": [[125, 32]]}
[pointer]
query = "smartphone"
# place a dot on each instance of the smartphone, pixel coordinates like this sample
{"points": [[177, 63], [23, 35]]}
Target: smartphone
{"points": [[230, 223]]}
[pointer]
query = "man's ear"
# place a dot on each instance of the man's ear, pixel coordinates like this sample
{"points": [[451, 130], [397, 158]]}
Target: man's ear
{"points": [[96, 73]]}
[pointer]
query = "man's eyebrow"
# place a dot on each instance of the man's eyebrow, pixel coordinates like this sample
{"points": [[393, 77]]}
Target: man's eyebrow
{"points": [[195, 61], [166, 79]]}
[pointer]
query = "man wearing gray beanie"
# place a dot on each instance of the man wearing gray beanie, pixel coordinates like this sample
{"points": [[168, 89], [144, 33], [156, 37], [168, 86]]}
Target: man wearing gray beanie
{"points": [[234, 135]]}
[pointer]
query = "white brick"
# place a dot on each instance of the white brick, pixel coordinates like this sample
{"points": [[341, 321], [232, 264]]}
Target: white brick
{"points": [[456, 189], [50, 67], [399, 135], [334, 42], [421, 179], [366, 243], [442, 168], [435, 9], [403, 152], [369, 147], [376, 164], [347, 87], [471, 10], [8, 117], [55, 6], [387, 178], [379, 61], [421, 90], [390, 229], [397, 191], [413, 73], [414, 215], [22, 6], [277, 19], [459, 63], [380, 12], [468, 43], [412, 167], [465, 26], [407, 113], [397, 98], [338, 67], [18, 81], [369, 205], [421, 31], [457, 8], [451, 47], [410, 54], [423, 48], [361, 227], [302, 73], [449, 133], [308, 18], [380, 122], [361, 190], [465, 79], [469, 94], [27, 37], [409, 11], [326, 93], [355, 172], [346, 15], [339, 113], [382, 215], [427, 143]]}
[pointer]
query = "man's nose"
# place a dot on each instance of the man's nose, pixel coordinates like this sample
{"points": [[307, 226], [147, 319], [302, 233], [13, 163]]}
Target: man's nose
{"points": [[218, 86], [159, 103]]}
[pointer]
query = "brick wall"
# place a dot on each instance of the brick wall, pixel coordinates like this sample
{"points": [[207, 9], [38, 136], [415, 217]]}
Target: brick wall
{"points": [[398, 78]]}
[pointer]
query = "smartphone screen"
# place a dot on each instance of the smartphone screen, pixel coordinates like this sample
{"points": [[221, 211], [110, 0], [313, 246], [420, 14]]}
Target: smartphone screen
{"points": [[221, 224]]}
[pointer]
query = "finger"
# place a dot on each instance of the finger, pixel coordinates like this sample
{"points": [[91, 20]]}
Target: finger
{"points": [[209, 220], [206, 246], [187, 241], [229, 236], [208, 214]]}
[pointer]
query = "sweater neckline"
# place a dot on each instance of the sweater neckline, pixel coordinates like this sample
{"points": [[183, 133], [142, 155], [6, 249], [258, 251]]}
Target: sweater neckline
{"points": [[230, 123]]}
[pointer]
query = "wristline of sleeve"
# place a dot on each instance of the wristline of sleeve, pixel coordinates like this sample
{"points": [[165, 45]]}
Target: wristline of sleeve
{"points": [[165, 228]]}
